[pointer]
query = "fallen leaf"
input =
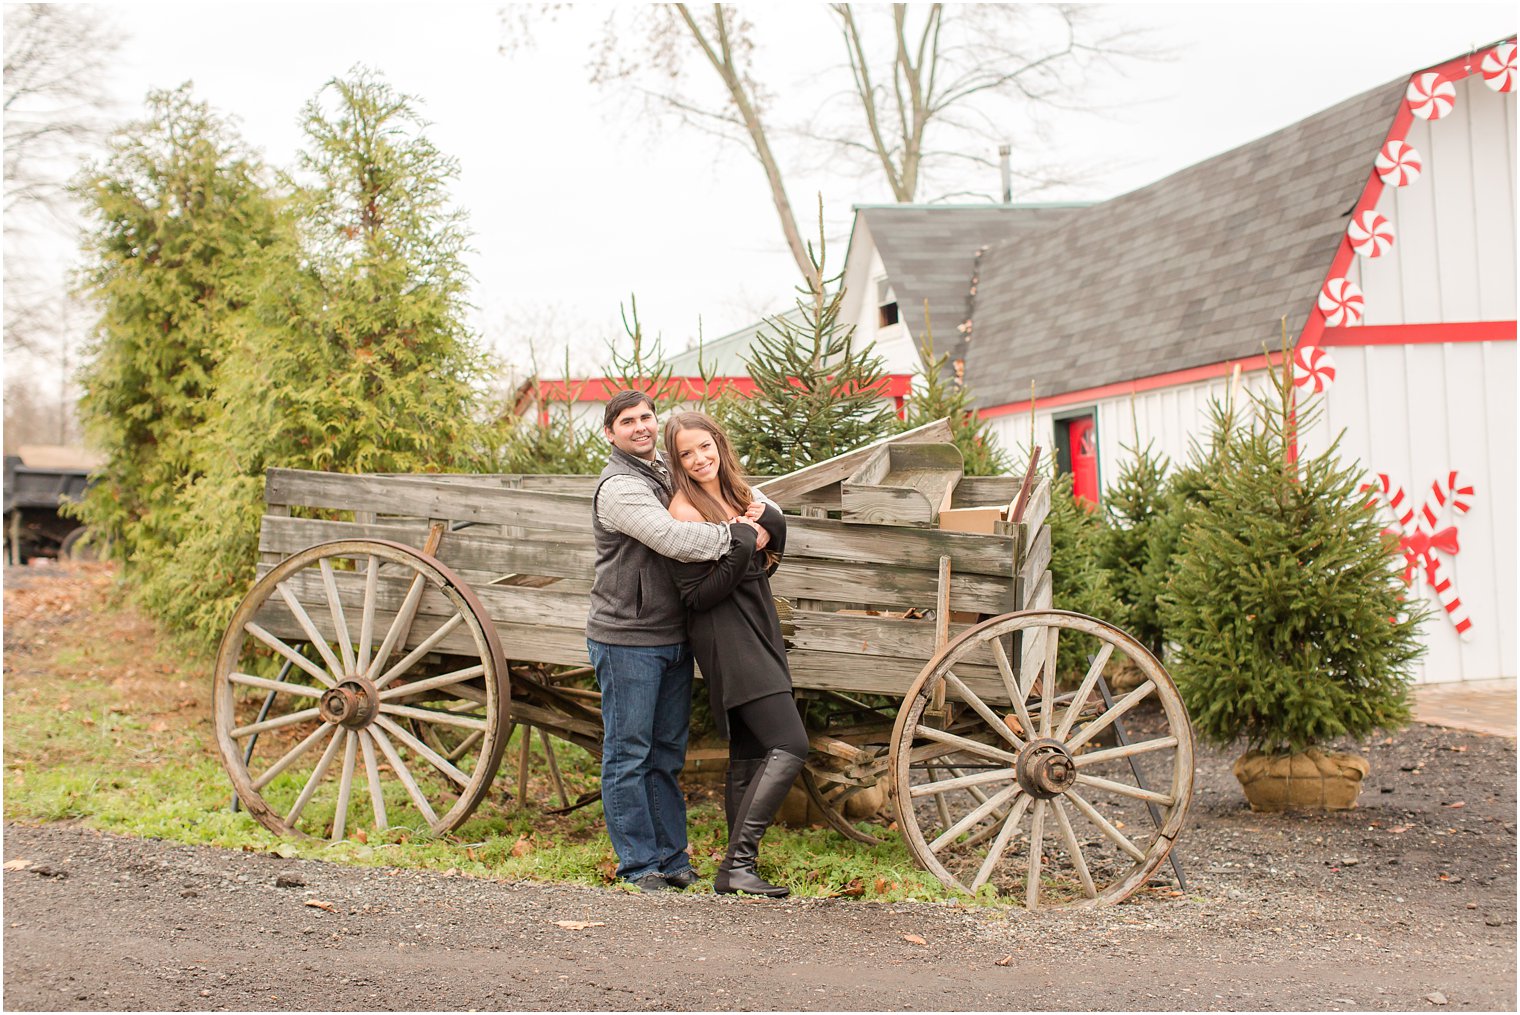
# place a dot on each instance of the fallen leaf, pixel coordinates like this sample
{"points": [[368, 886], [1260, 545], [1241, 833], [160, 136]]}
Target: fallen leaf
{"points": [[522, 847], [1399, 829], [360, 836], [158, 726], [914, 939], [855, 889], [1006, 960], [1436, 997], [881, 886], [1459, 803], [86, 720], [579, 924], [319, 904], [17, 865]]}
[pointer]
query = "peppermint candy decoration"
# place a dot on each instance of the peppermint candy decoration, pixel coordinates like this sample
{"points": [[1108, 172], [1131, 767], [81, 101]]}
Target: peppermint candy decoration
{"points": [[1398, 164], [1431, 96], [1498, 68], [1341, 301], [1313, 370], [1371, 234]]}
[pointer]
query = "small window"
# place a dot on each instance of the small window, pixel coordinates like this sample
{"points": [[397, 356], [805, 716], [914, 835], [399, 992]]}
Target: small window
{"points": [[887, 314]]}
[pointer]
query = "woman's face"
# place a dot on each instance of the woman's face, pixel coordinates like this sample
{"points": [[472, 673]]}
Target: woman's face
{"points": [[698, 454]]}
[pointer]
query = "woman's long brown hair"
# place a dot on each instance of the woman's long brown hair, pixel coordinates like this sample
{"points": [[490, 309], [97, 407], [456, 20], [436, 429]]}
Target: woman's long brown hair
{"points": [[730, 477]]}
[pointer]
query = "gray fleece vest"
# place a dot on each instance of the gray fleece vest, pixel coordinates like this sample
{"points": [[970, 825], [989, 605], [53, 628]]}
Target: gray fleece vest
{"points": [[633, 599]]}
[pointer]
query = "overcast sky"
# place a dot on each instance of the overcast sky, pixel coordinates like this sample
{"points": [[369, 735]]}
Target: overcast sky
{"points": [[575, 200]]}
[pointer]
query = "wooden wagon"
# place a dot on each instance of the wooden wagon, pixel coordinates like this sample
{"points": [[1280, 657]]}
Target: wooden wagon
{"points": [[401, 627]]}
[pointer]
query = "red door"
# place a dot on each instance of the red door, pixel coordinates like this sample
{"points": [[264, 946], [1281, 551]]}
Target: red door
{"points": [[1081, 436]]}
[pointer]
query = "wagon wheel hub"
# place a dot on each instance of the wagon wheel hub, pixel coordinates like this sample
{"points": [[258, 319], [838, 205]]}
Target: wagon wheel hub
{"points": [[353, 703], [1045, 769]]}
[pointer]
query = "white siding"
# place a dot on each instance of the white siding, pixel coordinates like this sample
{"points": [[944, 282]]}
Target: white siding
{"points": [[1416, 412], [894, 343], [1413, 411], [1453, 256]]}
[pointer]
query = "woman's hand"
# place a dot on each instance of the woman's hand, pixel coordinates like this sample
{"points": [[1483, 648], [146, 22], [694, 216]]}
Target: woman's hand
{"points": [[755, 510], [762, 537]]}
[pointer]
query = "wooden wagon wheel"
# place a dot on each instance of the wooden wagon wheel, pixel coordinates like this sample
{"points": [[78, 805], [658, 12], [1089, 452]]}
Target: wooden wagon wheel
{"points": [[997, 787], [351, 694]]}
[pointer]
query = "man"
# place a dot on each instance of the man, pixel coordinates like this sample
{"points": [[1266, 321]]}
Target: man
{"points": [[636, 637]]}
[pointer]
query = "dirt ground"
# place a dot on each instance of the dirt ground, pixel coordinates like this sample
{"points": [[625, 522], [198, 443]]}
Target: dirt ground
{"points": [[1407, 903]]}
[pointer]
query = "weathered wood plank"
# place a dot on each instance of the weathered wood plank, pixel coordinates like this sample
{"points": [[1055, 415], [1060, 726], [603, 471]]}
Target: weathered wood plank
{"points": [[969, 552], [476, 548], [844, 671], [885, 505], [875, 636], [783, 488], [421, 497], [1037, 510], [1037, 562], [888, 585], [984, 491]]}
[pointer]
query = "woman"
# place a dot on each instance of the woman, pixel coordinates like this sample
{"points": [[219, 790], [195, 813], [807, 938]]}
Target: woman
{"points": [[736, 639]]}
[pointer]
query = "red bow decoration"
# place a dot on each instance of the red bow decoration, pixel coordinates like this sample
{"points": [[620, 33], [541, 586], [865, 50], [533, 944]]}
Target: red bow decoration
{"points": [[1420, 546]]}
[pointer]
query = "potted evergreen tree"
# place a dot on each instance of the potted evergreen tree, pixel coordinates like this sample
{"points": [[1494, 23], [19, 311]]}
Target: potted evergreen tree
{"points": [[1285, 610]]}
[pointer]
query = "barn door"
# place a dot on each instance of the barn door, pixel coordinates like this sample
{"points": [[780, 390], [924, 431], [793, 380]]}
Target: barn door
{"points": [[1077, 448]]}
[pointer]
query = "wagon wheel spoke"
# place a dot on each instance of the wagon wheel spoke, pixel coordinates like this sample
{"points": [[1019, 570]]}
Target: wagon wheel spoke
{"points": [[339, 619], [372, 775], [1074, 849], [963, 792], [430, 736], [345, 783]]}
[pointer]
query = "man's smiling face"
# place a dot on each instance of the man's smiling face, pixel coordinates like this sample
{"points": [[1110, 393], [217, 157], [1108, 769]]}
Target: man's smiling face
{"points": [[635, 431]]}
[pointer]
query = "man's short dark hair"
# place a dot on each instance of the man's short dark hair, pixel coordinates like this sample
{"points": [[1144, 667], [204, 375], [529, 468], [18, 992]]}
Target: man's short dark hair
{"points": [[621, 403]]}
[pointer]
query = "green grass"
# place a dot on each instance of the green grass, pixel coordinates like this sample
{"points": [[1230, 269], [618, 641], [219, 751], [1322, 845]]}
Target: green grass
{"points": [[108, 725]]}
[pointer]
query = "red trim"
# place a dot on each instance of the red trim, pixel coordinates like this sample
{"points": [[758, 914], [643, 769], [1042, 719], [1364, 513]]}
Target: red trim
{"points": [[1454, 70], [1135, 387], [1419, 334], [601, 389]]}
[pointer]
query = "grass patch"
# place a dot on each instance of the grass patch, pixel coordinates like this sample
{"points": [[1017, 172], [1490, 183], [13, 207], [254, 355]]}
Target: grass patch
{"points": [[109, 724]]}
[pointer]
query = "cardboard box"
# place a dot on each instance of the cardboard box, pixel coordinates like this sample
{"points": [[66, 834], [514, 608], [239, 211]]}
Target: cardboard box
{"points": [[970, 519]]}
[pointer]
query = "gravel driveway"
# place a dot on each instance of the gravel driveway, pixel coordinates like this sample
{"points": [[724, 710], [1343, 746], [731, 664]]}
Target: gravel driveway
{"points": [[1406, 903]]}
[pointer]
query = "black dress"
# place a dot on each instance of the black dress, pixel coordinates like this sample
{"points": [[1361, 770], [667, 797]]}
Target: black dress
{"points": [[731, 620]]}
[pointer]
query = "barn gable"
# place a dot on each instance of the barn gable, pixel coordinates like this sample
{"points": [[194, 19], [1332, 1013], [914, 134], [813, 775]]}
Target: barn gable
{"points": [[1195, 269]]}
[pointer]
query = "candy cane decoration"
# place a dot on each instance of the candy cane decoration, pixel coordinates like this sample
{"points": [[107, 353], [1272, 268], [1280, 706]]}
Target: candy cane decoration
{"points": [[1371, 234], [1498, 67], [1431, 96], [1420, 535], [1341, 301], [1313, 369], [1398, 164]]}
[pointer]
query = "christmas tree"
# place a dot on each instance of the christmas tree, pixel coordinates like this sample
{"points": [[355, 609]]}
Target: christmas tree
{"points": [[1286, 603], [817, 395], [1133, 506]]}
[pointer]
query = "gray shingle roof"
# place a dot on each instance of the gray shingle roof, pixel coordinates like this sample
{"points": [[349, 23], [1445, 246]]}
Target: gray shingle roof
{"points": [[1194, 269], [928, 252], [725, 355]]}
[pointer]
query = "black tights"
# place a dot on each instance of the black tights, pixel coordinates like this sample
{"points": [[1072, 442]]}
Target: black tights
{"points": [[770, 723]]}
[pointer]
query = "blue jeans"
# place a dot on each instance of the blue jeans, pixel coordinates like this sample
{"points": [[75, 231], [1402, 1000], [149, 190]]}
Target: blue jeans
{"points": [[646, 717]]}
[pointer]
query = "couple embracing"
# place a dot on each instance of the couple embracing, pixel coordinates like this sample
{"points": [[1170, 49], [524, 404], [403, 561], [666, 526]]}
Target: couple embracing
{"points": [[684, 551]]}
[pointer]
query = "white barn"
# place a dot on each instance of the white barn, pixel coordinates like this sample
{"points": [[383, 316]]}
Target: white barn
{"points": [[1383, 230]]}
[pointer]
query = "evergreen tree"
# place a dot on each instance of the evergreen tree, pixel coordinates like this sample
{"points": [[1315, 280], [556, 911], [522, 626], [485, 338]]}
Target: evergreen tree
{"points": [[1132, 506], [1080, 582], [365, 363], [182, 222], [817, 394], [941, 395], [1286, 600]]}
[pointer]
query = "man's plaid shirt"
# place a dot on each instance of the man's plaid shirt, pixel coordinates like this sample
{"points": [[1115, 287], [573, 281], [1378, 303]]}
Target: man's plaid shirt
{"points": [[626, 505]]}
